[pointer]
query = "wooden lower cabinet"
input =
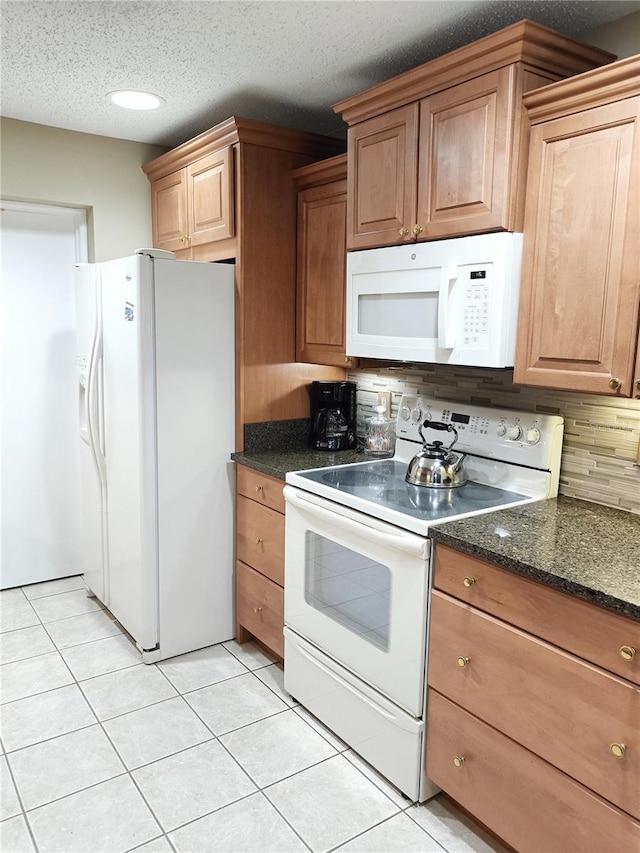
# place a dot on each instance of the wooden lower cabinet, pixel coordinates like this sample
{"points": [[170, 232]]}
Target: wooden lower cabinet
{"points": [[526, 801], [260, 607], [260, 559], [528, 714]]}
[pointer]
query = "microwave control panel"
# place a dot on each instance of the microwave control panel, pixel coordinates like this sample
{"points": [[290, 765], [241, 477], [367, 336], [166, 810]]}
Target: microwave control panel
{"points": [[475, 310]]}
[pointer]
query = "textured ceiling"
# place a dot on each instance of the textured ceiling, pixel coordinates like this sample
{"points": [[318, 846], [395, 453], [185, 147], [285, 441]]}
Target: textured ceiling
{"points": [[284, 61]]}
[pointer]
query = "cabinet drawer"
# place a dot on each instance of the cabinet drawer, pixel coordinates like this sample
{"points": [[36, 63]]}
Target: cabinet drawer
{"points": [[511, 790], [565, 710], [260, 607], [260, 538], [259, 487], [588, 631]]}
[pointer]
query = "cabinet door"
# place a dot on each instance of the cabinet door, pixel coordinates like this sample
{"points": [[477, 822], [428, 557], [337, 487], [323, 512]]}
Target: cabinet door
{"points": [[210, 194], [509, 788], [382, 168], [169, 211], [322, 228], [464, 157], [578, 317]]}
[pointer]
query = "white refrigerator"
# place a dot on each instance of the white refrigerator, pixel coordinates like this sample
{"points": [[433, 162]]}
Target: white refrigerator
{"points": [[156, 393]]}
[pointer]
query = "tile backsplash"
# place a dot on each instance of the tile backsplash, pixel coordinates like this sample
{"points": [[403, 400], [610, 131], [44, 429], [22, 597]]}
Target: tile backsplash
{"points": [[601, 434]]}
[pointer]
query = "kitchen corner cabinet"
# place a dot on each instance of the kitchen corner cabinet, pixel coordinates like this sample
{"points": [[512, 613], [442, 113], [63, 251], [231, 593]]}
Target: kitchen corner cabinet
{"points": [[228, 194], [260, 559], [441, 151], [533, 697], [580, 293], [321, 267]]}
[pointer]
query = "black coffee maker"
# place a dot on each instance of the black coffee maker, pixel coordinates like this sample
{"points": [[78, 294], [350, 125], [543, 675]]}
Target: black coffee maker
{"points": [[333, 415]]}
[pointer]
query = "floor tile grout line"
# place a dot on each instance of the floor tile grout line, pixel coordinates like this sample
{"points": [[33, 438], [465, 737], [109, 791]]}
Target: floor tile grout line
{"points": [[374, 826], [51, 594]]}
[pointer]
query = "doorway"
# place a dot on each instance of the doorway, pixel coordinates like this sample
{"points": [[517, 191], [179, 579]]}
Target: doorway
{"points": [[40, 509]]}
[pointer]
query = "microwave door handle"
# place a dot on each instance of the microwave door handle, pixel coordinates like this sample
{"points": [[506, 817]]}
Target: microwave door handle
{"points": [[446, 335]]}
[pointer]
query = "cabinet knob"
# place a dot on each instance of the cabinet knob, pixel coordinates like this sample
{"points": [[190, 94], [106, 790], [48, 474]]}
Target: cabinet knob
{"points": [[627, 652], [257, 609], [636, 384], [259, 488], [417, 229], [347, 359], [259, 540], [618, 749], [403, 232], [458, 760], [463, 661], [468, 581], [614, 384]]}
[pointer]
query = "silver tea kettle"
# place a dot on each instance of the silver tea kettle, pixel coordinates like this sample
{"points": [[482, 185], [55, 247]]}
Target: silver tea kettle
{"points": [[436, 466]]}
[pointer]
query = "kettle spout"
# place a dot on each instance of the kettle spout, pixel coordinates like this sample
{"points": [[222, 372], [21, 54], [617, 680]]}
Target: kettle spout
{"points": [[458, 463]]}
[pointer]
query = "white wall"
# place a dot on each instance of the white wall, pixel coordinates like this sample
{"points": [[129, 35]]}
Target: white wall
{"points": [[621, 37], [61, 167]]}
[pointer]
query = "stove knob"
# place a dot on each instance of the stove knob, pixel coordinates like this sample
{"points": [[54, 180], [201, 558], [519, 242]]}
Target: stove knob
{"points": [[416, 415], [533, 435], [405, 413], [514, 432], [501, 430]]}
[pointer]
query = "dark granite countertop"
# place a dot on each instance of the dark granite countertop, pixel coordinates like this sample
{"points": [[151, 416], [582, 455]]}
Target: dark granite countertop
{"points": [[279, 462], [585, 549]]}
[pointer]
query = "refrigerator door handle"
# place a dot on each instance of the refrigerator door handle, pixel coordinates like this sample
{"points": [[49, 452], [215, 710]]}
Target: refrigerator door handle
{"points": [[84, 409], [92, 394]]}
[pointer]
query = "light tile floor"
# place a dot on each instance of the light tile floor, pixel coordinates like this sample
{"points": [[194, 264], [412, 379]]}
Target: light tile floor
{"points": [[204, 752]]}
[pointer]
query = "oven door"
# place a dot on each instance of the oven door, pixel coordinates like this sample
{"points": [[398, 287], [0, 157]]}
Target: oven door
{"points": [[357, 588]]}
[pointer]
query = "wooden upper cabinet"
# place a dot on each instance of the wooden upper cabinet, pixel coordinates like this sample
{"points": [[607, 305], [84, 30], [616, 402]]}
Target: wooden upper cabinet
{"points": [[465, 157], [382, 164], [194, 205], [578, 323], [441, 150], [321, 262], [210, 191], [169, 211]]}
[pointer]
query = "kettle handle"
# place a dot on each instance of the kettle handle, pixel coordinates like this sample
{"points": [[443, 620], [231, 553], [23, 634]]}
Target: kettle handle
{"points": [[438, 425]]}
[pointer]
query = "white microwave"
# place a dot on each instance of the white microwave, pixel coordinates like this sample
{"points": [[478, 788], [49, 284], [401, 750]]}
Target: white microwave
{"points": [[446, 302]]}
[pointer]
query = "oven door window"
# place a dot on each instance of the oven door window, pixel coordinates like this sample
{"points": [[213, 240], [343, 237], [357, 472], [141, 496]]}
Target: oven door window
{"points": [[349, 588]]}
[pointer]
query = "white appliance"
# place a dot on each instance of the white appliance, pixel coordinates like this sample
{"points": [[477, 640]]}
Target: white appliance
{"points": [[357, 573], [156, 391], [447, 301]]}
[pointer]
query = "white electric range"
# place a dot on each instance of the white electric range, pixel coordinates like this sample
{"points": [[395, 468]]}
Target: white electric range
{"points": [[357, 572]]}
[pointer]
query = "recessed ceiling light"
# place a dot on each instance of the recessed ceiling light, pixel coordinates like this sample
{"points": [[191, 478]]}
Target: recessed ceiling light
{"points": [[132, 100]]}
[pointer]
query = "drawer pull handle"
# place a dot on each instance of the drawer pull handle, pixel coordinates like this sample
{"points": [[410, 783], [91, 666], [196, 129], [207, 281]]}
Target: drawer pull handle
{"points": [[257, 609], [458, 760], [627, 652], [259, 540], [259, 488], [469, 581], [463, 661], [618, 749]]}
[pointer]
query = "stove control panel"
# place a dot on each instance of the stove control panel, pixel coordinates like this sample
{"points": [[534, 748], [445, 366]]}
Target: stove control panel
{"points": [[526, 438]]}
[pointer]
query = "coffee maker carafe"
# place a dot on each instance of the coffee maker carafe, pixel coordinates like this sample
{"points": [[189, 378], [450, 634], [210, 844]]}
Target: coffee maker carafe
{"points": [[333, 415]]}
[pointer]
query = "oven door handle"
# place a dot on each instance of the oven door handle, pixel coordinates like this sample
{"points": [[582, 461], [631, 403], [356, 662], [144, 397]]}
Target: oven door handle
{"points": [[409, 543]]}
